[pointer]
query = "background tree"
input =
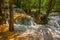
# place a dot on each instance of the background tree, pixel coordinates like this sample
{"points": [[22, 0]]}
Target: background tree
{"points": [[11, 22], [29, 7], [39, 6], [18, 3], [3, 11], [57, 6], [1, 14], [37, 15], [50, 7]]}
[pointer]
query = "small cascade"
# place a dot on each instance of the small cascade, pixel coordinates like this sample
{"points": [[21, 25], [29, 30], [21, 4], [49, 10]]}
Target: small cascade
{"points": [[56, 25], [38, 32]]}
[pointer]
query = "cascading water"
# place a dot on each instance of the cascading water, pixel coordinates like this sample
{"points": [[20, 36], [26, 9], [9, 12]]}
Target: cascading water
{"points": [[33, 31], [54, 23]]}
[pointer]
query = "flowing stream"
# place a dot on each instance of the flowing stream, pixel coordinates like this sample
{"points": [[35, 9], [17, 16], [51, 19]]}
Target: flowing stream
{"points": [[33, 31]]}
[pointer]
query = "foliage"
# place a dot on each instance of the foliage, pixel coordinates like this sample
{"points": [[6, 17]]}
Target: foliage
{"points": [[57, 5], [6, 1], [34, 4]]}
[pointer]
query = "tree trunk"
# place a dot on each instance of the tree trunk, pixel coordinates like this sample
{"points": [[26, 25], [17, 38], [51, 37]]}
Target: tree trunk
{"points": [[19, 3], [50, 6], [37, 15], [39, 6], [11, 21], [3, 11], [29, 7], [1, 14]]}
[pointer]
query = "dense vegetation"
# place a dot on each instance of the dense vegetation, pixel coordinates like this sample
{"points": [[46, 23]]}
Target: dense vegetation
{"points": [[34, 3]]}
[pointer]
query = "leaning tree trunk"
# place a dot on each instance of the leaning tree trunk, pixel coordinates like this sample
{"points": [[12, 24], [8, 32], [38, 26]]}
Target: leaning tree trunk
{"points": [[11, 22], [50, 6]]}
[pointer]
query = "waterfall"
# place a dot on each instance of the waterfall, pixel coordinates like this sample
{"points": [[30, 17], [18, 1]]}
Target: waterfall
{"points": [[30, 28], [56, 26], [29, 23]]}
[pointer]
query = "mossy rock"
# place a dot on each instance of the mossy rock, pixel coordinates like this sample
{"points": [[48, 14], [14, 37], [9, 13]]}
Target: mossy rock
{"points": [[45, 21], [41, 19]]}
